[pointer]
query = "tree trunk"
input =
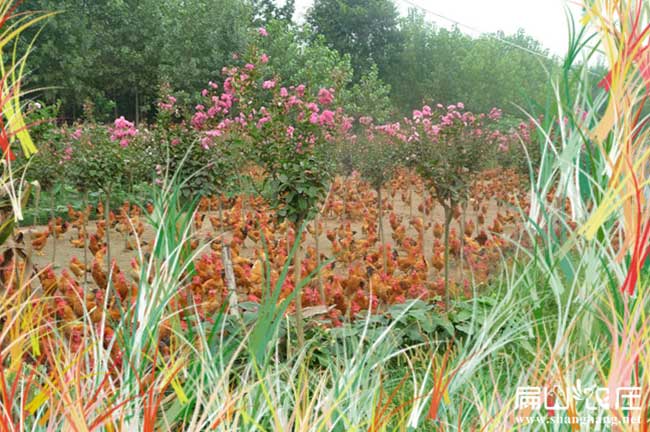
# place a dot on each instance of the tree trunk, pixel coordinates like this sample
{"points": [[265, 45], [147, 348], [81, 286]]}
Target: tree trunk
{"points": [[380, 224], [423, 231], [462, 243], [85, 237], [37, 205], [221, 227], [53, 217], [107, 212], [448, 216], [297, 265], [137, 108], [321, 289], [230, 280]]}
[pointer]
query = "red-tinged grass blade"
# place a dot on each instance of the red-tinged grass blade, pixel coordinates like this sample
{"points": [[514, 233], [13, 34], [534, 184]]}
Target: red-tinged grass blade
{"points": [[153, 402], [441, 380], [384, 416]]}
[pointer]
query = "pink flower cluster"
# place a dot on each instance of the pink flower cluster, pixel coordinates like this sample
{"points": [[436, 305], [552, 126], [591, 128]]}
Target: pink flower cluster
{"points": [[77, 134], [495, 114], [449, 124], [67, 154], [326, 96], [122, 131], [167, 105], [236, 109]]}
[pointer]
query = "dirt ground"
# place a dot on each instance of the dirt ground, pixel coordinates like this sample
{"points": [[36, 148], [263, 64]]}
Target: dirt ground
{"points": [[65, 251]]}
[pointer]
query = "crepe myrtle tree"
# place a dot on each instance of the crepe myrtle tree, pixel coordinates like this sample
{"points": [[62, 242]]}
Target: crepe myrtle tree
{"points": [[289, 131], [46, 169], [376, 157], [99, 160], [446, 145], [208, 167]]}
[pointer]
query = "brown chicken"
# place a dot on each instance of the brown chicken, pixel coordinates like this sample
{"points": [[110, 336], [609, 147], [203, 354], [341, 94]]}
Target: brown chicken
{"points": [[77, 267], [58, 226], [39, 240], [438, 260], [99, 275], [79, 242], [438, 230], [49, 281]]}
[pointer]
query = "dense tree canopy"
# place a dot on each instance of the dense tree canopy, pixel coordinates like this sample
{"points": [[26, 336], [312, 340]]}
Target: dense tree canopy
{"points": [[118, 54], [447, 66], [365, 29]]}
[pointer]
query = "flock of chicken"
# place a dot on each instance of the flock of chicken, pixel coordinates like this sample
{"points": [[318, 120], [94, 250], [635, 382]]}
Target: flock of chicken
{"points": [[358, 271]]}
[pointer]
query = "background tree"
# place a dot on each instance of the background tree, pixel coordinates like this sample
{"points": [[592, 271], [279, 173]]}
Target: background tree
{"points": [[198, 38], [509, 71], [365, 29], [428, 66], [369, 97], [299, 57], [103, 50], [266, 11], [117, 52]]}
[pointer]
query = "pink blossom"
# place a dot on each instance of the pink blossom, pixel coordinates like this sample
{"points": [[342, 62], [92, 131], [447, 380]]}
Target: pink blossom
{"points": [[365, 120], [264, 58], [300, 90], [460, 105], [495, 114], [269, 84], [122, 131], [227, 85], [67, 154], [326, 118], [249, 66], [262, 32], [313, 119], [283, 92], [77, 134], [347, 124], [290, 131], [325, 96], [199, 119], [311, 106]]}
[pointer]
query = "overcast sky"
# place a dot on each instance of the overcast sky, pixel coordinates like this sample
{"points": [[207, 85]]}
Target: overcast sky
{"points": [[545, 20]]}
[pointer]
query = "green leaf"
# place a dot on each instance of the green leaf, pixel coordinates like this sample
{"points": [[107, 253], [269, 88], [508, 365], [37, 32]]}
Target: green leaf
{"points": [[6, 229]]}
